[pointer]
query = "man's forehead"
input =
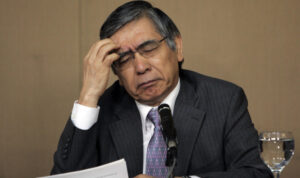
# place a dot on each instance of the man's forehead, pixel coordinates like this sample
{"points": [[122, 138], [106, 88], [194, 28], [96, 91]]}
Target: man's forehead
{"points": [[135, 33]]}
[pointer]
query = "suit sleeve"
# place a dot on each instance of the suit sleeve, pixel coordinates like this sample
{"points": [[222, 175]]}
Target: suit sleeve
{"points": [[241, 153], [77, 149]]}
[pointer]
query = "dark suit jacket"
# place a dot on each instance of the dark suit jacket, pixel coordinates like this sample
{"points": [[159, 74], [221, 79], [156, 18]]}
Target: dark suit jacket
{"points": [[215, 133]]}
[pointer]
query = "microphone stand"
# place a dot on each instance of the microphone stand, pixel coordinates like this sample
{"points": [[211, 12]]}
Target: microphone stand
{"points": [[171, 160], [171, 157]]}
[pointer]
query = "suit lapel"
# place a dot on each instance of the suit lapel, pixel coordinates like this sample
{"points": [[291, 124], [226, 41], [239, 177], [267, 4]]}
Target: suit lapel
{"points": [[127, 135], [188, 119]]}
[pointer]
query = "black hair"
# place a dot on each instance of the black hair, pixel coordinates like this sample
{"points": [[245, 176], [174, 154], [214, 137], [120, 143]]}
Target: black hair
{"points": [[135, 10]]}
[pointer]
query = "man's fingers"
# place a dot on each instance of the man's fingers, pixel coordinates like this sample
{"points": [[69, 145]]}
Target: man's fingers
{"points": [[109, 59], [93, 47], [105, 50], [101, 54], [99, 47]]}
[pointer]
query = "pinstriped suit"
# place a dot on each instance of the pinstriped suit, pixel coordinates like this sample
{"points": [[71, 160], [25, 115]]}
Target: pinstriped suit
{"points": [[215, 133]]}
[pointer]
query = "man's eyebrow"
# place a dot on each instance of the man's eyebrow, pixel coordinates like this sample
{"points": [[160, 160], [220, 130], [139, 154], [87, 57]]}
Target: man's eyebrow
{"points": [[122, 54]]}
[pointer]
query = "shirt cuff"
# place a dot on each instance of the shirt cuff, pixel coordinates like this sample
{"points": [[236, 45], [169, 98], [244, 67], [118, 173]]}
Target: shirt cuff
{"points": [[84, 117]]}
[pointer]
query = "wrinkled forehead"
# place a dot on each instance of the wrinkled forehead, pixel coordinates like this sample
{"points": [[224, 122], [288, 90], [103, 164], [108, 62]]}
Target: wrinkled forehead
{"points": [[135, 33]]}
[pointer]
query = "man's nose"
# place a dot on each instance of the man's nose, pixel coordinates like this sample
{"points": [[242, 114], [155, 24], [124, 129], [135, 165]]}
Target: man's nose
{"points": [[141, 64]]}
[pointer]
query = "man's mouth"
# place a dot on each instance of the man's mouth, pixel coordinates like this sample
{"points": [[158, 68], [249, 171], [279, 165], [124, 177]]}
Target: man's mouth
{"points": [[147, 84]]}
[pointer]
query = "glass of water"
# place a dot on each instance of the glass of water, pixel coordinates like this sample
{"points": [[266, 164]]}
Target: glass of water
{"points": [[276, 149]]}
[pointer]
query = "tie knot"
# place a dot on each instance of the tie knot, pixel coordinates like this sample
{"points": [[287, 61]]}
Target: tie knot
{"points": [[154, 117]]}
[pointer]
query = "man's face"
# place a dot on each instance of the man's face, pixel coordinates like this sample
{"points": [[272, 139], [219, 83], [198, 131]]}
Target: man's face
{"points": [[148, 80]]}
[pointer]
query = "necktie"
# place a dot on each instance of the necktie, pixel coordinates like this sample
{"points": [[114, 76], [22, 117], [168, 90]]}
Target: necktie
{"points": [[157, 149]]}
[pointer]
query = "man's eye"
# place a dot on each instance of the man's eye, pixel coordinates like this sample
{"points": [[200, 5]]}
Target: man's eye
{"points": [[149, 48], [124, 59]]}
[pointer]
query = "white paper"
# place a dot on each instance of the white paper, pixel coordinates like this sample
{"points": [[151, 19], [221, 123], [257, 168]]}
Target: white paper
{"points": [[116, 169]]}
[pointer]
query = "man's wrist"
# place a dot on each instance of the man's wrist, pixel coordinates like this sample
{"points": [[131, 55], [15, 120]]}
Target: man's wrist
{"points": [[87, 100]]}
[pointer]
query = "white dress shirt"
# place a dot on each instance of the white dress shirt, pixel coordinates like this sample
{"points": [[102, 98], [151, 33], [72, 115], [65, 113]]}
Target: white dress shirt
{"points": [[84, 118]]}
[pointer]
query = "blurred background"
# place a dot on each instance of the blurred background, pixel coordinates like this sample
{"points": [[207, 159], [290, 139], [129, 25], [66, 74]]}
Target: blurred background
{"points": [[253, 43]]}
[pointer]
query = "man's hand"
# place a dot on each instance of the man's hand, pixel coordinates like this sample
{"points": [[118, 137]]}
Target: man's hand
{"points": [[96, 69]]}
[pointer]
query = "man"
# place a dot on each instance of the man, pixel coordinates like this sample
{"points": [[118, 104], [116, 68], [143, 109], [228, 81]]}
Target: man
{"points": [[216, 137]]}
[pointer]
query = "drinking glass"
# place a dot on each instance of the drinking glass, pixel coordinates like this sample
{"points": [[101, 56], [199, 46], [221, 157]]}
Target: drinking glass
{"points": [[276, 149]]}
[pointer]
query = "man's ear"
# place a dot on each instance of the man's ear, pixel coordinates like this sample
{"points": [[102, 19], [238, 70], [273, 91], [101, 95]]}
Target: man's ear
{"points": [[178, 42]]}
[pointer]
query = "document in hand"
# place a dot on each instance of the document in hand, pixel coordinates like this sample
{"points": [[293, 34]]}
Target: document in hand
{"points": [[116, 169]]}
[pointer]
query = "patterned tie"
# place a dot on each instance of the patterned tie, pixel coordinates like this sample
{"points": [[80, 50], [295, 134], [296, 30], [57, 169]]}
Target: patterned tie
{"points": [[157, 149]]}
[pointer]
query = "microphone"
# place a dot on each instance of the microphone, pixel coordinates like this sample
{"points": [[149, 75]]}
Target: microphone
{"points": [[169, 133]]}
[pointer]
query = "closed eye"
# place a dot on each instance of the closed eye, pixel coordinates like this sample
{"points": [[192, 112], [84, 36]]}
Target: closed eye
{"points": [[124, 59], [148, 47]]}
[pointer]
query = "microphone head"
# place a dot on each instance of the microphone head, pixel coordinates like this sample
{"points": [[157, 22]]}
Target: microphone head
{"points": [[164, 110]]}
